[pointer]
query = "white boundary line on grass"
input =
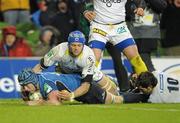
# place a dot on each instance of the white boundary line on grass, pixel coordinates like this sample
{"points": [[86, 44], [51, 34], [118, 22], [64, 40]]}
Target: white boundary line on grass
{"points": [[112, 107], [130, 108]]}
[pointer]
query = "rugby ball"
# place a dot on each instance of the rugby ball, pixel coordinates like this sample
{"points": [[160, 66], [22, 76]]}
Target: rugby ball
{"points": [[35, 96]]}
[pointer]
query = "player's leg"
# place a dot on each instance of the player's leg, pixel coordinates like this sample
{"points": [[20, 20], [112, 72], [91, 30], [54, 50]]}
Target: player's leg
{"points": [[97, 95], [97, 53], [113, 99], [97, 47], [125, 43], [145, 48], [120, 71], [104, 82], [108, 85], [97, 40], [132, 54]]}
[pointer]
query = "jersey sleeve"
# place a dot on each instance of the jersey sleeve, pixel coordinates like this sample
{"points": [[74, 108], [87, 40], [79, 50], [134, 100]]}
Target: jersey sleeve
{"points": [[48, 87], [51, 57], [88, 70]]}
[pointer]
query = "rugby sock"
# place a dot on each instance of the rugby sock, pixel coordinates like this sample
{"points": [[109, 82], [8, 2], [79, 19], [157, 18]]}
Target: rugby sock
{"points": [[138, 64], [97, 63]]}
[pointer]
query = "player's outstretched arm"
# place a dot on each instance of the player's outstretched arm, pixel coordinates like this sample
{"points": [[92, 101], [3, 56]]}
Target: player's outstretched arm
{"points": [[37, 68], [83, 89]]}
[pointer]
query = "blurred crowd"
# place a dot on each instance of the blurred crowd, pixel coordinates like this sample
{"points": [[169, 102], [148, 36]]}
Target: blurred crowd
{"points": [[55, 19]]}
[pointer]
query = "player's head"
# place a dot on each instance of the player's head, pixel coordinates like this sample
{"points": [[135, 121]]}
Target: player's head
{"points": [[27, 78], [146, 81], [76, 41], [76, 37]]}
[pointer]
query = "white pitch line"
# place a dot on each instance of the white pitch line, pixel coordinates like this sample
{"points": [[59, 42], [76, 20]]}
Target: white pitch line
{"points": [[129, 108], [112, 107]]}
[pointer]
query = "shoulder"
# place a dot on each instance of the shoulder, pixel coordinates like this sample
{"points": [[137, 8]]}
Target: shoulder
{"points": [[60, 48], [64, 44], [88, 54], [89, 60], [88, 51]]}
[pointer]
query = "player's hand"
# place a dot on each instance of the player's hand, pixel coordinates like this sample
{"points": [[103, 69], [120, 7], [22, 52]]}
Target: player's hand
{"points": [[89, 15], [139, 11], [133, 78], [65, 95]]}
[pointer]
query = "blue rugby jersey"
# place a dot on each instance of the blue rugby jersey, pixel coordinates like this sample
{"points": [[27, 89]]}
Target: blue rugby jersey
{"points": [[47, 82]]}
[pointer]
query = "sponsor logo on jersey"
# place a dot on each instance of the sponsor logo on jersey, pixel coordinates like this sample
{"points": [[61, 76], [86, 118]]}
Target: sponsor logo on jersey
{"points": [[50, 53], [47, 88], [110, 2], [121, 30], [99, 31], [91, 62]]}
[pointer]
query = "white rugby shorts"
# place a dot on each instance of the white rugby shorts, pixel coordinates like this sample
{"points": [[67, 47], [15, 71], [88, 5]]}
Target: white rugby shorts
{"points": [[117, 34]]}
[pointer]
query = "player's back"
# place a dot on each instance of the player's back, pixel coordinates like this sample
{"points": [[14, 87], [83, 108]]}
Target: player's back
{"points": [[167, 89], [48, 82]]}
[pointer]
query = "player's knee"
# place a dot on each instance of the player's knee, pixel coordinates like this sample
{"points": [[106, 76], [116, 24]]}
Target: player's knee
{"points": [[97, 44]]}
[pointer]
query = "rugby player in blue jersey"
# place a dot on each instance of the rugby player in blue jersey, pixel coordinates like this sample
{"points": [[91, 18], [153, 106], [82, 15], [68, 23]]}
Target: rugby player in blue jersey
{"points": [[56, 87]]}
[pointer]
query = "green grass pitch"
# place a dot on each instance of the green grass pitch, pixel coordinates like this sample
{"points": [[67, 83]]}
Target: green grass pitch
{"points": [[15, 111]]}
